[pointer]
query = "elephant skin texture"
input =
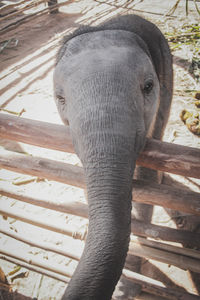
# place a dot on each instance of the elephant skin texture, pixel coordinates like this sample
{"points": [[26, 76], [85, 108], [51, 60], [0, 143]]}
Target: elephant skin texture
{"points": [[113, 87]]}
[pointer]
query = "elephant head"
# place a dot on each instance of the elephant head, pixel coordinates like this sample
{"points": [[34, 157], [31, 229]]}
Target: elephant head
{"points": [[113, 87]]}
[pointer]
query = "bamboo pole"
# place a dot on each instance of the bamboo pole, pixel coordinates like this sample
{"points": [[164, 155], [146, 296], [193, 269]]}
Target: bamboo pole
{"points": [[33, 15], [43, 245], [137, 227], [143, 192], [69, 230], [41, 263], [73, 208], [34, 268], [152, 286], [157, 288], [135, 248], [157, 155], [8, 6], [20, 10]]}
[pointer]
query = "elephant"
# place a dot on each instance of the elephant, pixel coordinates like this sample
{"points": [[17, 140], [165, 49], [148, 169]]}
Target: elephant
{"points": [[113, 86]]}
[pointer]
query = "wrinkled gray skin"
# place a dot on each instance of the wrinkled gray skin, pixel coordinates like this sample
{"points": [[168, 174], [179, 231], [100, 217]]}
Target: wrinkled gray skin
{"points": [[113, 86]]}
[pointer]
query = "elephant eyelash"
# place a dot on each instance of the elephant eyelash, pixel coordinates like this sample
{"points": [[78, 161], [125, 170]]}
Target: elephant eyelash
{"points": [[61, 99], [148, 87]]}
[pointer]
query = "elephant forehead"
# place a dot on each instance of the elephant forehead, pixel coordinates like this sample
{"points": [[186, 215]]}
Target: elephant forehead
{"points": [[129, 62], [103, 39], [103, 50]]}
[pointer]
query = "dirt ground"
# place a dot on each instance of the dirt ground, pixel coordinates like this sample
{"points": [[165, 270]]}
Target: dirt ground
{"points": [[26, 89]]}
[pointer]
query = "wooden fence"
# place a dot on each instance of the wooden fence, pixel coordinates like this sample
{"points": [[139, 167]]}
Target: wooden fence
{"points": [[157, 155]]}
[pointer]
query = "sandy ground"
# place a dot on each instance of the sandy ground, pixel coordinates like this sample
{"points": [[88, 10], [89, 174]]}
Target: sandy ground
{"points": [[26, 85]]}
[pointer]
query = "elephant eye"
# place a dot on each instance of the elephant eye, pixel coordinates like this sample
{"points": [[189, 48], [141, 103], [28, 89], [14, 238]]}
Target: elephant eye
{"points": [[148, 87], [61, 99]]}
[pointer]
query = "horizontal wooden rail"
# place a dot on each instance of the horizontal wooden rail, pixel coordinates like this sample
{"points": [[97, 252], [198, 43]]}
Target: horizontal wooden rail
{"points": [[157, 288], [143, 192], [137, 227], [157, 155]]}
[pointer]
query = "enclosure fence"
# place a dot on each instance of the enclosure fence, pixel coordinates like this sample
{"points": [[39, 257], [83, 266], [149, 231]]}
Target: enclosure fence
{"points": [[156, 155]]}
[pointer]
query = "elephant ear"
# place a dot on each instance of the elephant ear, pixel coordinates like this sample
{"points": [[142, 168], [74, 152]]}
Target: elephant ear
{"points": [[161, 58]]}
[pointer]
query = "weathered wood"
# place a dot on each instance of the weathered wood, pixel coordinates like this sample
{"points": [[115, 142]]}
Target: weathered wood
{"points": [[158, 155], [157, 288], [143, 192], [171, 158], [181, 261], [167, 247], [166, 196], [143, 229], [43, 168], [42, 134], [137, 227]]}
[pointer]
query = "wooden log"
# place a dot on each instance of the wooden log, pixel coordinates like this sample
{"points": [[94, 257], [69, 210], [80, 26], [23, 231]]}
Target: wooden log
{"points": [[165, 233], [43, 168], [157, 288], [137, 227], [143, 192], [166, 196], [42, 134], [167, 247], [172, 158], [157, 155]]}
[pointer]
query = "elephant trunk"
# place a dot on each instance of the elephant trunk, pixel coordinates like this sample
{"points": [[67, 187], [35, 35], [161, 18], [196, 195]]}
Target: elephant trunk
{"points": [[105, 139], [109, 199]]}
